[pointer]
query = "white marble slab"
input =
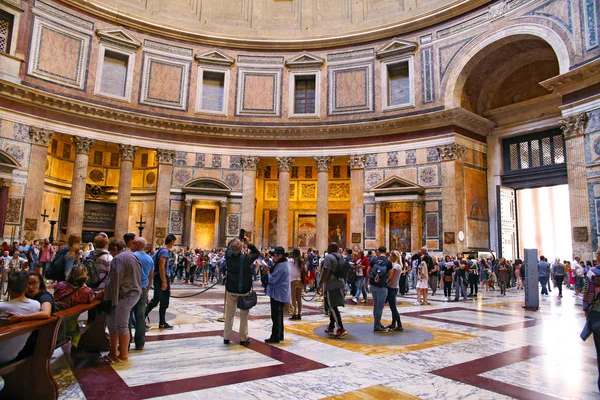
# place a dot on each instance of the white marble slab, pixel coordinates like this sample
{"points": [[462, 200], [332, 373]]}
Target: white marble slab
{"points": [[188, 358], [481, 318]]}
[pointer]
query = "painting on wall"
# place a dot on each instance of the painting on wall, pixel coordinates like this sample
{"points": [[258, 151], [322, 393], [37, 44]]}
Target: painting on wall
{"points": [[476, 194], [204, 228], [307, 231], [272, 232], [400, 231], [337, 229]]}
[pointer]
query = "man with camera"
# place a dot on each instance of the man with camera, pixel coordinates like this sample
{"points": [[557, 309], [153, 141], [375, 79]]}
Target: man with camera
{"points": [[238, 282]]}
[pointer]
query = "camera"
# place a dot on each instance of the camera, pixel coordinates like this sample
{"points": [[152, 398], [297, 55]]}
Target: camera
{"points": [[242, 234]]}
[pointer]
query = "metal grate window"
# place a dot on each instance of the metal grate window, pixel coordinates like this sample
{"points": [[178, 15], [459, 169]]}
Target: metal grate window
{"points": [[295, 172], [6, 23], [538, 150]]}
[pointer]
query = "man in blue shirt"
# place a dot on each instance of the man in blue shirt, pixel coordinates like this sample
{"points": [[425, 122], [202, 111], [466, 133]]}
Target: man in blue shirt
{"points": [[162, 282], [138, 312], [544, 274]]}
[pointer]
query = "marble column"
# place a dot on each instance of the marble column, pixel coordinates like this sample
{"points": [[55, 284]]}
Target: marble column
{"points": [[379, 222], [164, 158], [573, 128], [417, 236], [4, 187], [283, 201], [357, 203], [494, 172], [187, 224], [124, 196], [323, 165], [223, 224], [451, 156], [249, 195], [77, 201], [40, 140]]}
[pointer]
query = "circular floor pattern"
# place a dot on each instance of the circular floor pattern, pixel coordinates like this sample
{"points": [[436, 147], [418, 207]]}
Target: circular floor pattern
{"points": [[362, 333]]}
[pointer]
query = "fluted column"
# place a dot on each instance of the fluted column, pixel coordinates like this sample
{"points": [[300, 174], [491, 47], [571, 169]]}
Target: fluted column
{"points": [[4, 187], [124, 196], [283, 201], [222, 224], [77, 201], [40, 140], [357, 203], [164, 158], [187, 224], [249, 194], [573, 128], [323, 164]]}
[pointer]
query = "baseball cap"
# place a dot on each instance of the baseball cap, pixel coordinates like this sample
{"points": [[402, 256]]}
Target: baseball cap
{"points": [[277, 250]]}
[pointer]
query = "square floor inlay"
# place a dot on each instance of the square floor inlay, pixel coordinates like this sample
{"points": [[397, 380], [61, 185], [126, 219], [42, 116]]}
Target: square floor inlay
{"points": [[187, 358]]}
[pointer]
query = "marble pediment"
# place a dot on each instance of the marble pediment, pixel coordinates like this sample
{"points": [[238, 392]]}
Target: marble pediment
{"points": [[395, 47], [215, 56], [119, 36], [395, 185], [305, 60]]}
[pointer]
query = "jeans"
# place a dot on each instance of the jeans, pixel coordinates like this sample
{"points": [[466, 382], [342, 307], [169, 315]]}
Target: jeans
{"points": [[559, 283], [160, 297], [413, 278], [461, 287], [391, 299], [277, 318], [544, 282], [379, 297], [433, 283], [360, 288], [138, 319]]}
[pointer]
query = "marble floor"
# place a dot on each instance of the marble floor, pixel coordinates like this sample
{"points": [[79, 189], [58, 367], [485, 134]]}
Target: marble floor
{"points": [[486, 348]]}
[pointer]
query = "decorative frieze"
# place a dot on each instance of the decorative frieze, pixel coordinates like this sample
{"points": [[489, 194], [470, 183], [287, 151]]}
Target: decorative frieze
{"points": [[250, 163], [357, 161], [574, 125], [450, 152], [128, 151], [323, 163], [284, 163], [82, 144], [40, 136], [164, 156]]}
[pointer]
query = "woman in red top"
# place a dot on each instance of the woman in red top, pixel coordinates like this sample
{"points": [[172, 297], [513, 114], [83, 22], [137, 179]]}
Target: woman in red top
{"points": [[73, 291]]}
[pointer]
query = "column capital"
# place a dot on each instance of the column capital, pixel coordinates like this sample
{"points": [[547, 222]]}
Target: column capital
{"points": [[323, 163], [82, 144], [128, 151], [574, 125], [5, 182], [451, 152], [284, 163], [223, 203], [250, 162], [164, 156], [357, 161], [188, 203], [40, 136]]}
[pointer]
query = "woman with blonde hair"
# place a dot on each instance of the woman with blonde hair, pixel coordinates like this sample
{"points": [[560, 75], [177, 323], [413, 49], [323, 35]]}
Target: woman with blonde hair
{"points": [[558, 275], [422, 280]]}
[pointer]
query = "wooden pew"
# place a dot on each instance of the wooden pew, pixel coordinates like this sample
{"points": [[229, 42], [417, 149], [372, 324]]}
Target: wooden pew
{"points": [[30, 378], [93, 336]]}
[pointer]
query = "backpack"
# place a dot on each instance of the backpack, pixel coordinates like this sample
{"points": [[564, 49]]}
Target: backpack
{"points": [[315, 261], [93, 273], [342, 269], [56, 271], [378, 275]]}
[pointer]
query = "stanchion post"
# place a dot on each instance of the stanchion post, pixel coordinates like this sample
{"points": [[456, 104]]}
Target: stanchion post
{"points": [[222, 319]]}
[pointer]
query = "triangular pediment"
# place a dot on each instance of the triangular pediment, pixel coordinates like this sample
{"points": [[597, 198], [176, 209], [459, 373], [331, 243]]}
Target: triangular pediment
{"points": [[215, 56], [396, 185], [206, 185], [119, 36], [305, 60], [395, 47]]}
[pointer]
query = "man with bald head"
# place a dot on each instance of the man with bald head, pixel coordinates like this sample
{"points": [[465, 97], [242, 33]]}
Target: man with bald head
{"points": [[138, 312]]}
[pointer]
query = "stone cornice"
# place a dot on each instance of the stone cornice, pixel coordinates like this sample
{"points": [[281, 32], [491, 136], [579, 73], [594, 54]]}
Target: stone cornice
{"points": [[285, 131], [574, 80], [415, 23]]}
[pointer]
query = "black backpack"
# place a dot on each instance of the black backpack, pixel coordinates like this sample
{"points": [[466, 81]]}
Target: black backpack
{"points": [[56, 271], [93, 272], [342, 269], [378, 276]]}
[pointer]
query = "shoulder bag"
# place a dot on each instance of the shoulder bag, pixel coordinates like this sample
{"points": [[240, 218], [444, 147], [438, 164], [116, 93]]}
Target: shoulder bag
{"points": [[248, 301]]}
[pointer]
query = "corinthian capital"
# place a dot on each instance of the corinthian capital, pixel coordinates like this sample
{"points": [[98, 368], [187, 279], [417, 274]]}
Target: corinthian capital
{"points": [[284, 163], [357, 161], [323, 163], [40, 136], [127, 151], [574, 125], [453, 151], [164, 156], [5, 182], [82, 144], [250, 163]]}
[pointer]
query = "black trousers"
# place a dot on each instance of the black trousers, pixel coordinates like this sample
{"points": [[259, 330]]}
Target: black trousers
{"points": [[277, 318], [161, 297], [190, 275], [447, 289], [559, 282], [473, 284]]}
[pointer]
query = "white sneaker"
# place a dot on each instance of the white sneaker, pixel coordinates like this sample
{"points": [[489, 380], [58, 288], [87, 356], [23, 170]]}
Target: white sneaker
{"points": [[354, 301], [416, 303]]}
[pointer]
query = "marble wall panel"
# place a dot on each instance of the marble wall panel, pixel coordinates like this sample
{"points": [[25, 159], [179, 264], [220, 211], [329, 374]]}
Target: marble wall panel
{"points": [[259, 92], [351, 88], [428, 176], [165, 81]]}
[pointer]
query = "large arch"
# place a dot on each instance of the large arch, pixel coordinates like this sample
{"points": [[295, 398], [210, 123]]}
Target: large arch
{"points": [[458, 74]]}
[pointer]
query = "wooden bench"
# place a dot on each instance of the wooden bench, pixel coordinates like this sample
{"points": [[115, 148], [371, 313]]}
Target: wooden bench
{"points": [[30, 377]]}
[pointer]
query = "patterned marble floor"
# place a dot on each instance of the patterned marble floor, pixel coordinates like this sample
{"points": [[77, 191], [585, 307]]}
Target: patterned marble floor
{"points": [[487, 348]]}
